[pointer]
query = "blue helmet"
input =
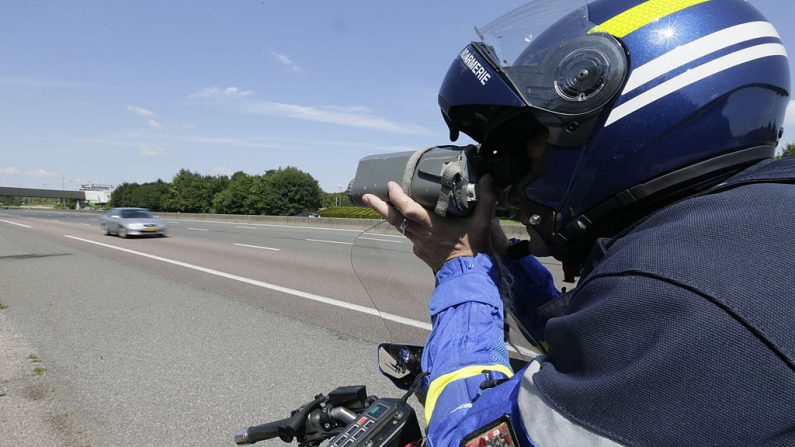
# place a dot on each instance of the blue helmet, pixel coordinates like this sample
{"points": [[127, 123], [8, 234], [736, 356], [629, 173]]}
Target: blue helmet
{"points": [[643, 102]]}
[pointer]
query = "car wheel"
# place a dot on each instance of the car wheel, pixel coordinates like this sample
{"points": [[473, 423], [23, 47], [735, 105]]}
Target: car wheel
{"points": [[105, 230], [122, 232]]}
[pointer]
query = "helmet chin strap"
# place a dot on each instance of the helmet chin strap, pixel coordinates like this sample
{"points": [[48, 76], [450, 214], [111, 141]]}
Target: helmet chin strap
{"points": [[571, 270], [573, 243]]}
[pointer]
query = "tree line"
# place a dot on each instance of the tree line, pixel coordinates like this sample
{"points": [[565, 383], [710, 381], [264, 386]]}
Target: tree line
{"points": [[788, 151], [277, 192]]}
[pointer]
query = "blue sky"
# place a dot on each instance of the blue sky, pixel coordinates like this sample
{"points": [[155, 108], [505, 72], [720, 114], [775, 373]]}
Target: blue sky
{"points": [[112, 91]]}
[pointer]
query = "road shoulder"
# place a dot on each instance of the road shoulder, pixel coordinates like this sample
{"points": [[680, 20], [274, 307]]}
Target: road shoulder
{"points": [[30, 412]]}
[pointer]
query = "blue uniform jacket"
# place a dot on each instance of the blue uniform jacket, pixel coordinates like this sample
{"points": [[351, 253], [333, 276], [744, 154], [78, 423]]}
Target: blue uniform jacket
{"points": [[680, 333], [467, 317]]}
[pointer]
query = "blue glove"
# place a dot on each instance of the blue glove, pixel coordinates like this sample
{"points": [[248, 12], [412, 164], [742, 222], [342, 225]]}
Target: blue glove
{"points": [[532, 287]]}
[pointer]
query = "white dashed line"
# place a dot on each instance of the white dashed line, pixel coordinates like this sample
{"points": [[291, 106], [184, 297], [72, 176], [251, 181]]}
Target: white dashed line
{"points": [[400, 236], [274, 287], [329, 242], [14, 223], [247, 228], [379, 240], [279, 226], [257, 246], [198, 229]]}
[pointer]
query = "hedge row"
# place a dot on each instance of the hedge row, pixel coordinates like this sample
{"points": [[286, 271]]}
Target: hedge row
{"points": [[349, 212]]}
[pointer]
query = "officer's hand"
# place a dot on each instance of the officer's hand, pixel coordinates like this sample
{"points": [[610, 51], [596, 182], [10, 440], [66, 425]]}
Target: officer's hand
{"points": [[499, 241], [437, 240]]}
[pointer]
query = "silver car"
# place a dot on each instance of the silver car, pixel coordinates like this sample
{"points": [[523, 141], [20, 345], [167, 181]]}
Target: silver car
{"points": [[132, 222]]}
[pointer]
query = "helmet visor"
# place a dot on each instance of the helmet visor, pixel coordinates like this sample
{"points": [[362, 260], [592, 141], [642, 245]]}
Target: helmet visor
{"points": [[554, 57]]}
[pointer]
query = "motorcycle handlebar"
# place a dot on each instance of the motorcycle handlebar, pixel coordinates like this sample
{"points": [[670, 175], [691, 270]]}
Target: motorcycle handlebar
{"points": [[259, 433], [285, 429]]}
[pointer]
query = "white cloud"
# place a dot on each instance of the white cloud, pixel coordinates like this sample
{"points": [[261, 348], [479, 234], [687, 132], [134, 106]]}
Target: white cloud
{"points": [[151, 151], [334, 115], [234, 91], [286, 61], [40, 173], [154, 124], [146, 113], [351, 109], [220, 93], [10, 171], [220, 170]]}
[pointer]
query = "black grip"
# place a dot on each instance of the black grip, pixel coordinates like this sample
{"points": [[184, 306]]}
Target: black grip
{"points": [[259, 433], [285, 429], [295, 424]]}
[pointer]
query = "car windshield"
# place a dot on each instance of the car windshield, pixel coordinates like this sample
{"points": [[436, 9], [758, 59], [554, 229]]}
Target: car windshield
{"points": [[135, 214]]}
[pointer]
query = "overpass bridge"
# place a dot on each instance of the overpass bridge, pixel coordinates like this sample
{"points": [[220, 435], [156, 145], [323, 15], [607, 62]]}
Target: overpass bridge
{"points": [[84, 196]]}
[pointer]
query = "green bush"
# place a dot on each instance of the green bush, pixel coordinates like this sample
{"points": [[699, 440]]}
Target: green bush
{"points": [[349, 212]]}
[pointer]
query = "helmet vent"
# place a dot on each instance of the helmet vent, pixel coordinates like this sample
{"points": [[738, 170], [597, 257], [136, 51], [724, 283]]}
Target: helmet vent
{"points": [[581, 75]]}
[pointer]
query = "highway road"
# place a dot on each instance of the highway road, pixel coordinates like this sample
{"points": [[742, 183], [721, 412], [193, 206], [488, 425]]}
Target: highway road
{"points": [[166, 341]]}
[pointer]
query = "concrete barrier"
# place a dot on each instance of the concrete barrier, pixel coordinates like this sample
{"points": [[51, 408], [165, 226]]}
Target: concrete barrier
{"points": [[512, 231], [327, 222]]}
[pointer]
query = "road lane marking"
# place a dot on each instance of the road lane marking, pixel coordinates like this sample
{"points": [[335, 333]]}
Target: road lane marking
{"points": [[279, 226], [85, 224], [379, 240], [329, 242], [172, 221], [247, 228], [265, 285], [14, 223], [306, 295], [400, 236], [257, 246], [198, 229]]}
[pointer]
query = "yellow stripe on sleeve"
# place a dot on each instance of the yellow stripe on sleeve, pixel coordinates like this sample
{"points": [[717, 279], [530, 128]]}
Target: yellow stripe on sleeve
{"points": [[645, 13], [440, 383]]}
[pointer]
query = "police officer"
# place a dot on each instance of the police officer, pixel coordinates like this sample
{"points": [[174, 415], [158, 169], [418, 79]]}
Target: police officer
{"points": [[636, 137]]}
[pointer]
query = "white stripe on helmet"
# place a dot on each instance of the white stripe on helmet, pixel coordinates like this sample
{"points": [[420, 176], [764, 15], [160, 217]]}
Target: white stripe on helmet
{"points": [[697, 49], [694, 75]]}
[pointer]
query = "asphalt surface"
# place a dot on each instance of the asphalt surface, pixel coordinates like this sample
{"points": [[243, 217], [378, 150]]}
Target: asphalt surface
{"points": [[184, 339]]}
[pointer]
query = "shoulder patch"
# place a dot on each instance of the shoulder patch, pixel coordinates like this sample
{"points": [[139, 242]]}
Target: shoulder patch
{"points": [[499, 433]]}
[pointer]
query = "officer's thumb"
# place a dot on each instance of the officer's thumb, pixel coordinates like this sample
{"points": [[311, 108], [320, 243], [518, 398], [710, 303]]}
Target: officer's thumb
{"points": [[484, 210]]}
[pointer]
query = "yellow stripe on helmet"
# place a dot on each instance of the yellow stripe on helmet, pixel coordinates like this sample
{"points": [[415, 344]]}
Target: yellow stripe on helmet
{"points": [[639, 16], [440, 383]]}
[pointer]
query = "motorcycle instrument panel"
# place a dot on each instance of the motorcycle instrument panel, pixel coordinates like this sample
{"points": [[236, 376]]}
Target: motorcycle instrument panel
{"points": [[380, 425]]}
